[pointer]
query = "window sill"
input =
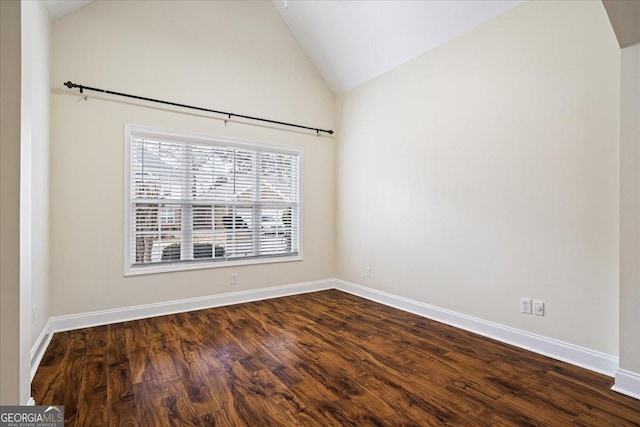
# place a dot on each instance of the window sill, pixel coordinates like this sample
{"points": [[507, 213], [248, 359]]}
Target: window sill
{"points": [[186, 266]]}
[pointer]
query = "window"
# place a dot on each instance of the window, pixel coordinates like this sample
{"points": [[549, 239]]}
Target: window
{"points": [[195, 202]]}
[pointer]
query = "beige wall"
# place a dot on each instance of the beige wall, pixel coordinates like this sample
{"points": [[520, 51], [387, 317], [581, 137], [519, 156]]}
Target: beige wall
{"points": [[14, 351], [232, 56], [487, 170], [630, 210]]}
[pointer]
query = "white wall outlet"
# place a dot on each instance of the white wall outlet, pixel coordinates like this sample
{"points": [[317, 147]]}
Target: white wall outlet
{"points": [[234, 278], [538, 308], [525, 305], [367, 271]]}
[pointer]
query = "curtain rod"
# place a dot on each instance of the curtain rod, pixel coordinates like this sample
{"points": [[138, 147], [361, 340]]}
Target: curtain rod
{"points": [[82, 88]]}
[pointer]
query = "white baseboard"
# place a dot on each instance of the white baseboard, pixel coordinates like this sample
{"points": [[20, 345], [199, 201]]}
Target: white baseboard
{"points": [[41, 344], [573, 354], [628, 383], [105, 317]]}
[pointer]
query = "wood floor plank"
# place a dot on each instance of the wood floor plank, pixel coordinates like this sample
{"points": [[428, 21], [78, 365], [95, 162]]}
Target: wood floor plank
{"points": [[150, 404], [320, 359], [200, 390], [122, 409], [219, 418], [92, 404], [179, 407], [138, 353], [71, 371], [48, 376]]}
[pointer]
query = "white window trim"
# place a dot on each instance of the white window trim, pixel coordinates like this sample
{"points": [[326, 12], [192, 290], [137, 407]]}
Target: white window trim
{"points": [[128, 269]]}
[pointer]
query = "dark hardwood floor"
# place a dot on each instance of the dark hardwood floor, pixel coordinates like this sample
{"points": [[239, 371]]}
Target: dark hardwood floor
{"points": [[320, 359]]}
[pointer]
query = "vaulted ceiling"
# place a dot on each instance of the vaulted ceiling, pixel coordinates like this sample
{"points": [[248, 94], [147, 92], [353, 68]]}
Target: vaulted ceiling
{"points": [[353, 41]]}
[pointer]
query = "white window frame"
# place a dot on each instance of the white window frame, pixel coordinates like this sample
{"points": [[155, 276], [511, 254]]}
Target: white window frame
{"points": [[137, 130]]}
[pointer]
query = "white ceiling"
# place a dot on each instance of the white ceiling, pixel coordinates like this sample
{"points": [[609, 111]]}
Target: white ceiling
{"points": [[58, 8], [353, 41], [625, 20]]}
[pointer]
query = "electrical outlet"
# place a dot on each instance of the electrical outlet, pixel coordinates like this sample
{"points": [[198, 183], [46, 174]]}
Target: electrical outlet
{"points": [[234, 278], [538, 308], [367, 271], [525, 305]]}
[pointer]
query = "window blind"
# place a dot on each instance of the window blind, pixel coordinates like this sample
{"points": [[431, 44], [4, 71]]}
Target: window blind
{"points": [[193, 201]]}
